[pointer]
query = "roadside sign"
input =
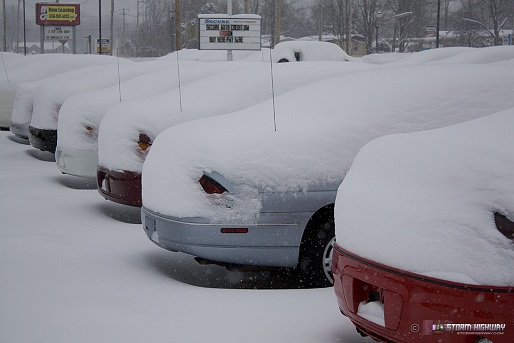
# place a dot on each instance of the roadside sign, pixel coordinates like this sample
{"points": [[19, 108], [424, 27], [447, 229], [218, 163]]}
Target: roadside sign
{"points": [[104, 45], [430, 30], [59, 32], [57, 14], [225, 32]]}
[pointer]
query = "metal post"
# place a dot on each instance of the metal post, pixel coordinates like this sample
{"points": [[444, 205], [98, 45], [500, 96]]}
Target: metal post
{"points": [[229, 12], [438, 20], [42, 39], [99, 27], [24, 31], [111, 32], [5, 26]]}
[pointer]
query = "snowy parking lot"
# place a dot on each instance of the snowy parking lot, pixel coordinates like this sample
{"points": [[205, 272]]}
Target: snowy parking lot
{"points": [[77, 268]]}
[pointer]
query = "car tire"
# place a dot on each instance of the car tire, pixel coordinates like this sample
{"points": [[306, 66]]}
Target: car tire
{"points": [[315, 262]]}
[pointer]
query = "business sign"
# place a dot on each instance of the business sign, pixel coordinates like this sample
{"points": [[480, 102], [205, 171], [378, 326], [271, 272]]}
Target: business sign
{"points": [[57, 14], [59, 32], [430, 31], [104, 45], [224, 32]]}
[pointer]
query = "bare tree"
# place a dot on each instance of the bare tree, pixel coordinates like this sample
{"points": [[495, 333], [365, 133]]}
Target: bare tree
{"points": [[367, 21], [477, 16]]}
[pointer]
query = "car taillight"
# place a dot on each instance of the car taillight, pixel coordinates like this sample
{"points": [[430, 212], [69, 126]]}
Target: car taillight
{"points": [[504, 225], [144, 141], [91, 131], [211, 186]]}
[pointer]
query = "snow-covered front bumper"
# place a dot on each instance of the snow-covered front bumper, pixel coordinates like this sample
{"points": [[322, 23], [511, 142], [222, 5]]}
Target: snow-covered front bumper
{"points": [[77, 162], [392, 305], [273, 242]]}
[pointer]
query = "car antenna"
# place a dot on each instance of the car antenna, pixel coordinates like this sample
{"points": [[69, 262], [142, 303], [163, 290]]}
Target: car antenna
{"points": [[5, 68], [119, 78], [179, 89], [272, 91]]}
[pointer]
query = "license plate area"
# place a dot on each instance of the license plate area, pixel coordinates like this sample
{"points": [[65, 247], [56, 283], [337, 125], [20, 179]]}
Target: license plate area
{"points": [[373, 303]]}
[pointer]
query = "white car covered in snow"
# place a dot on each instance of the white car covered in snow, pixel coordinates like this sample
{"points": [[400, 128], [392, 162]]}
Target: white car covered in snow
{"points": [[296, 51], [48, 99], [233, 190], [81, 115], [126, 135], [35, 67]]}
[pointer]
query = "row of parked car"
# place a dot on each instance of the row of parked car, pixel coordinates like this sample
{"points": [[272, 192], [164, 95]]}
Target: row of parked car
{"points": [[253, 163]]}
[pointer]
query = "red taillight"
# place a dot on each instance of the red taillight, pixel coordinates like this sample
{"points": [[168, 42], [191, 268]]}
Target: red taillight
{"points": [[144, 141], [210, 186], [234, 230]]}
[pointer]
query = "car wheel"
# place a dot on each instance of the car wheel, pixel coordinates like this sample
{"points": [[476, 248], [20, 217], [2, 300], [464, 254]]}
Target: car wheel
{"points": [[316, 249]]}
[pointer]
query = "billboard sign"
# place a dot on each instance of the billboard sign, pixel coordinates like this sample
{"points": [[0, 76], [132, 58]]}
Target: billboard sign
{"points": [[224, 32], [57, 14]]}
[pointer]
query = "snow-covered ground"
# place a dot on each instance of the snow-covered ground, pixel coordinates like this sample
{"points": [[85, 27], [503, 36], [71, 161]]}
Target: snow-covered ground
{"points": [[77, 268]]}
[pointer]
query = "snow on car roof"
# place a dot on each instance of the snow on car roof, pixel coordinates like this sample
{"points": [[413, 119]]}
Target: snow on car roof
{"points": [[35, 67], [239, 85], [320, 128], [49, 97], [424, 202], [88, 108], [309, 51], [25, 91]]}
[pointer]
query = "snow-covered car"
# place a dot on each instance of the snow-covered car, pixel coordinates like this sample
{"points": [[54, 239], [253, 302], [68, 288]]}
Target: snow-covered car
{"points": [[233, 190], [425, 235], [296, 51], [81, 115], [36, 67], [48, 99], [126, 136], [10, 62]]}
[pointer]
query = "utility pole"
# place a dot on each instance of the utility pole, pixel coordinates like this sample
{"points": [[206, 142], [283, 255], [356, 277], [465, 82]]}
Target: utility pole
{"points": [[320, 22], [349, 28], [247, 6], [178, 28], [111, 29], [437, 23], [229, 12], [276, 34], [137, 29], [24, 31], [123, 38], [171, 25], [99, 27], [5, 26]]}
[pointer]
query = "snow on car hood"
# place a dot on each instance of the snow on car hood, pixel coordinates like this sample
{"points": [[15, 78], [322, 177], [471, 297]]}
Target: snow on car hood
{"points": [[48, 99], [424, 202], [320, 129], [240, 85]]}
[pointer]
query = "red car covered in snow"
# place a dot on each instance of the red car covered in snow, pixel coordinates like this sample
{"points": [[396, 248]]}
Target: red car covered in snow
{"points": [[425, 235]]}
